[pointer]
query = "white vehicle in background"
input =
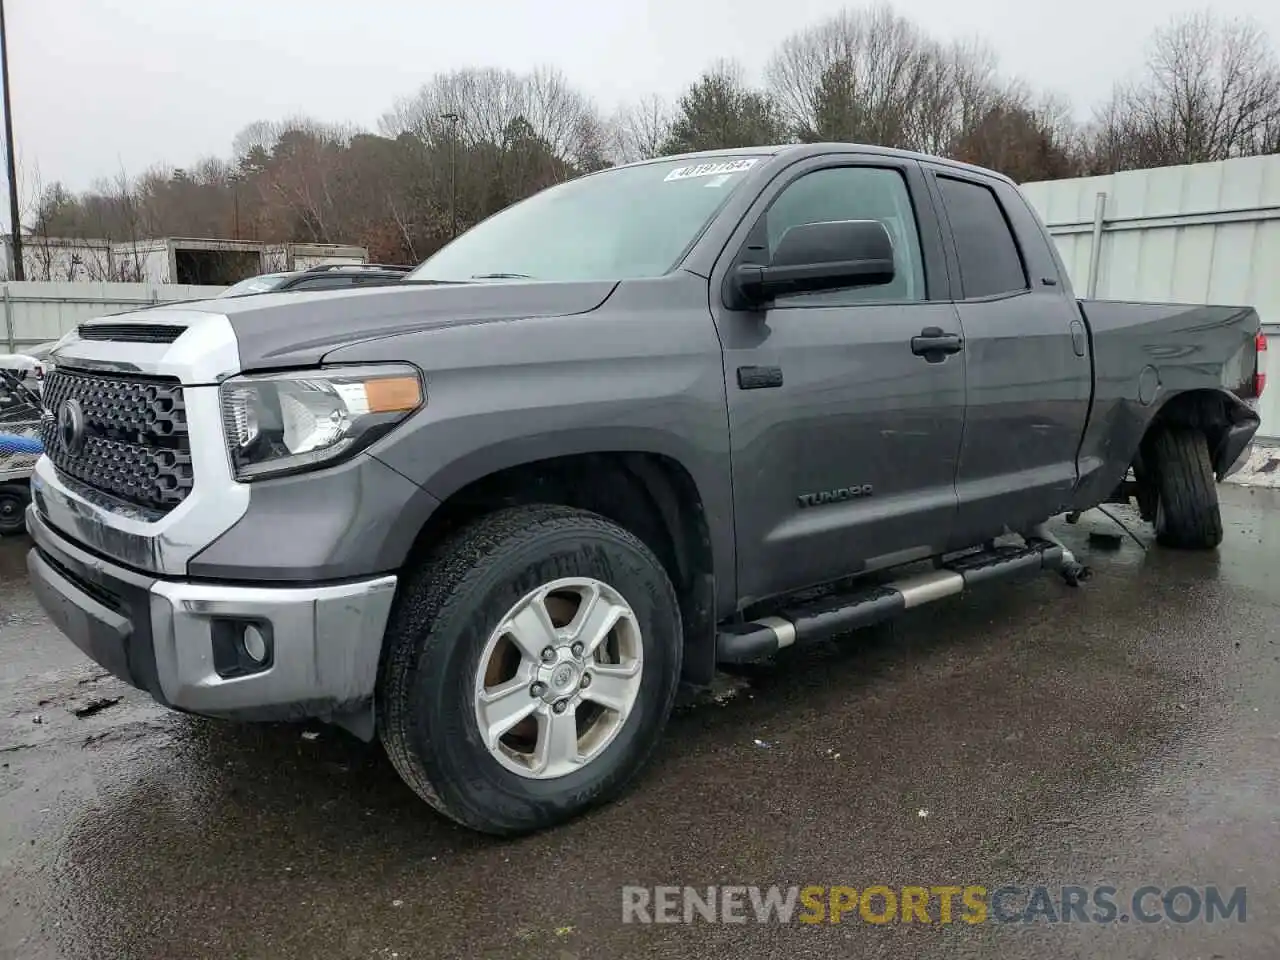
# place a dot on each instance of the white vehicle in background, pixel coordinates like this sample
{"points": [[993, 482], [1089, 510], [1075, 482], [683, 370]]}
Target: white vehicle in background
{"points": [[28, 367], [20, 447], [326, 276]]}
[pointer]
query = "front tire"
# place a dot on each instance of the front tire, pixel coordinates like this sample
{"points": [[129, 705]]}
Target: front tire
{"points": [[1187, 514], [482, 704]]}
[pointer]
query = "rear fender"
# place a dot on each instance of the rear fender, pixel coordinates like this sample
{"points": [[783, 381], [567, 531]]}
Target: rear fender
{"points": [[1159, 364], [1227, 421]]}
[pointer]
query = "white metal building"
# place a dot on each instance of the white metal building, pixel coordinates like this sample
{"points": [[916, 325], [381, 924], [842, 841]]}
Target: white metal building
{"points": [[168, 259], [1202, 233], [35, 312]]}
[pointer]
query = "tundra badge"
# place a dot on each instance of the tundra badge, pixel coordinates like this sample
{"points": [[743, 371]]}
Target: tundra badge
{"points": [[837, 495]]}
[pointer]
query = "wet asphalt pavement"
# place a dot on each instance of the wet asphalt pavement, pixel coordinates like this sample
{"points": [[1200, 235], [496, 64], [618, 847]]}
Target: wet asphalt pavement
{"points": [[1124, 733]]}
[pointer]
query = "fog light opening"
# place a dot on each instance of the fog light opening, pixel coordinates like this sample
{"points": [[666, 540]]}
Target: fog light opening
{"points": [[241, 646], [255, 644]]}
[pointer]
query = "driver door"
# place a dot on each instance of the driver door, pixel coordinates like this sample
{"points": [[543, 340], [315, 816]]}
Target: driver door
{"points": [[844, 442]]}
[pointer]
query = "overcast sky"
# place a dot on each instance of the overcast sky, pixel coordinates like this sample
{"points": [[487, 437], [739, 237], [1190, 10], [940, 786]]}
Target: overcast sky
{"points": [[105, 85]]}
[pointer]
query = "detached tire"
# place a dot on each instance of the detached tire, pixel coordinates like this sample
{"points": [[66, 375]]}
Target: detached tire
{"points": [[529, 669], [14, 498], [1187, 515]]}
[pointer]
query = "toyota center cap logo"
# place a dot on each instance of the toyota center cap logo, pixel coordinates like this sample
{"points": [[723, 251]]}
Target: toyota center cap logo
{"points": [[71, 426]]}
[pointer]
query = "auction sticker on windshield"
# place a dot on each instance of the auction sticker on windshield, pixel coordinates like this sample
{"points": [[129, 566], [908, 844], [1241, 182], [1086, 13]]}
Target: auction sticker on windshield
{"points": [[712, 169]]}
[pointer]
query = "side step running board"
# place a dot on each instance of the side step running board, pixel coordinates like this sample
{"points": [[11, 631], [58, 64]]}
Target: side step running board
{"points": [[832, 616]]}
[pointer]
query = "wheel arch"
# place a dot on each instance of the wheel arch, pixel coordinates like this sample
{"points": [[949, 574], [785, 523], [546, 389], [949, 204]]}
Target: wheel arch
{"points": [[1227, 422], [653, 495]]}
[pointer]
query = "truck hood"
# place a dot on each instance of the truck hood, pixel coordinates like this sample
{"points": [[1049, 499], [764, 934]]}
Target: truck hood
{"points": [[290, 329]]}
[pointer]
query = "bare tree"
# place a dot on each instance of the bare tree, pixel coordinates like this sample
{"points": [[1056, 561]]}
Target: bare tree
{"points": [[1210, 91], [871, 76], [259, 135], [265, 134], [494, 136], [1021, 137], [128, 260], [641, 129], [486, 103], [860, 75], [43, 210], [302, 182]]}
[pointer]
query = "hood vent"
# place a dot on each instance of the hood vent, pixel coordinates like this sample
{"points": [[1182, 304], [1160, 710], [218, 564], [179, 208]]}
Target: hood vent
{"points": [[131, 332]]}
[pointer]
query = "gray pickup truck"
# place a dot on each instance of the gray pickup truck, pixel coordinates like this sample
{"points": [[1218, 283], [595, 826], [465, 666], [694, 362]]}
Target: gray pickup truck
{"points": [[673, 414]]}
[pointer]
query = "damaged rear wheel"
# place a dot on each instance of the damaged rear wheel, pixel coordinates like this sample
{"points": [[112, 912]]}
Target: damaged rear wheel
{"points": [[1186, 515]]}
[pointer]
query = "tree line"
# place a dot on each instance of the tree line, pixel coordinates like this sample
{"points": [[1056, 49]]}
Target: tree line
{"points": [[472, 141]]}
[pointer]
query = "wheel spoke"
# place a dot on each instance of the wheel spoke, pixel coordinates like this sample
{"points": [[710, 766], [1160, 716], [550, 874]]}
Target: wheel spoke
{"points": [[613, 686], [532, 630], [504, 706], [594, 622], [557, 740]]}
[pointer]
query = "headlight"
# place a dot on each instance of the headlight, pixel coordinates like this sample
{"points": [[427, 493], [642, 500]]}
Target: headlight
{"points": [[280, 423]]}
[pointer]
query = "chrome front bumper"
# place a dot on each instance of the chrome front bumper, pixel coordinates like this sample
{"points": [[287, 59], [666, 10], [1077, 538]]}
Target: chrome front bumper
{"points": [[183, 641]]}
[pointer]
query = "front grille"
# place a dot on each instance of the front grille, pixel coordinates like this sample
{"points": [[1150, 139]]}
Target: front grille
{"points": [[131, 332], [135, 444]]}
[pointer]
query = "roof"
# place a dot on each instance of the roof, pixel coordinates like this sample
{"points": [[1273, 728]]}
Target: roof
{"points": [[799, 151]]}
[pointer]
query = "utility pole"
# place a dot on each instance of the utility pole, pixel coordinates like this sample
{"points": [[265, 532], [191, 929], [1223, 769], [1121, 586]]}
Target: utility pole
{"points": [[15, 222], [453, 120]]}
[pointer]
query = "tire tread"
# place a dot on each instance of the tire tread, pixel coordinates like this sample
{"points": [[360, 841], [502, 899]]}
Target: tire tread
{"points": [[1188, 491]]}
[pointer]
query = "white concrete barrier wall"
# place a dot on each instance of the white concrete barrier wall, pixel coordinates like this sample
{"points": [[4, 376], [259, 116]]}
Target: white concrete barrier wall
{"points": [[1202, 233], [36, 311]]}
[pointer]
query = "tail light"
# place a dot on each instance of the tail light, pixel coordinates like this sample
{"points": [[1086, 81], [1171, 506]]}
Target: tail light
{"points": [[1260, 364]]}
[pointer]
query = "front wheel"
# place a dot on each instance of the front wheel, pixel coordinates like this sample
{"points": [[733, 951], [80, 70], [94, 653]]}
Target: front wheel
{"points": [[14, 498], [1187, 514], [530, 668]]}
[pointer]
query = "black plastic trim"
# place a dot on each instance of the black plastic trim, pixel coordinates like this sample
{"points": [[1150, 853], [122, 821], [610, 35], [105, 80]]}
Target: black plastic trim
{"points": [[107, 615]]}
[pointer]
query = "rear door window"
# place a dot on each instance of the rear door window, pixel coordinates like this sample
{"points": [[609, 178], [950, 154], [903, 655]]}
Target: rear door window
{"points": [[990, 264]]}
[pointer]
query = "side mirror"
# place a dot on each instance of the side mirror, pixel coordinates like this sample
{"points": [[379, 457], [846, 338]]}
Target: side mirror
{"points": [[817, 256]]}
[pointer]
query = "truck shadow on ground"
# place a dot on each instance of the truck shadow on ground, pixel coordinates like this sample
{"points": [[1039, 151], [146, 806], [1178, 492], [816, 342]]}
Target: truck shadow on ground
{"points": [[1015, 703]]}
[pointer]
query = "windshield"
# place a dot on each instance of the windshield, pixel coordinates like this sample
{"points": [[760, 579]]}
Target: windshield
{"points": [[616, 225], [262, 284]]}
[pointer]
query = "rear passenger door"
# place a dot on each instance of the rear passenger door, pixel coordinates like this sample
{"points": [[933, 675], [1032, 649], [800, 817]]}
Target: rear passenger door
{"points": [[1027, 369]]}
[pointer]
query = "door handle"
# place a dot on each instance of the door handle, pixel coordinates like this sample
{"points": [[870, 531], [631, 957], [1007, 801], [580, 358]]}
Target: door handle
{"points": [[1078, 339], [935, 346]]}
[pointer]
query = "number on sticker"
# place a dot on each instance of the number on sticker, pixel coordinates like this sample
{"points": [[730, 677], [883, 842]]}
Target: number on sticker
{"points": [[711, 169]]}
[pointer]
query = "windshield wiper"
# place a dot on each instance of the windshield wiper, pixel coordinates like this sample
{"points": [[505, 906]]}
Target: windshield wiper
{"points": [[501, 276]]}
